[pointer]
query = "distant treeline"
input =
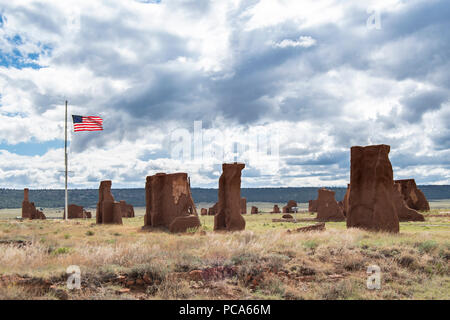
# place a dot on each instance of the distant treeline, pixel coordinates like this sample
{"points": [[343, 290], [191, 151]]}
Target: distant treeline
{"points": [[52, 198]]}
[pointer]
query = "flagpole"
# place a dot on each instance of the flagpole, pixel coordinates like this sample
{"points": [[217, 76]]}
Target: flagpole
{"points": [[66, 205]]}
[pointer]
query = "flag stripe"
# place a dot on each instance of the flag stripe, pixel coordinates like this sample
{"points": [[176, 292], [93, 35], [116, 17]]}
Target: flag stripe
{"points": [[86, 127], [87, 123], [92, 120]]}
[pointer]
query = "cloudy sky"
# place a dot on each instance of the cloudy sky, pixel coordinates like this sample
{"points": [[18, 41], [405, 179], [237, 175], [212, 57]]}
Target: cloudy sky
{"points": [[310, 78]]}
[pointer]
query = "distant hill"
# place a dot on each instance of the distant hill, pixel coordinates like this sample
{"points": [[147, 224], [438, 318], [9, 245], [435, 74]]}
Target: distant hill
{"points": [[44, 198]]}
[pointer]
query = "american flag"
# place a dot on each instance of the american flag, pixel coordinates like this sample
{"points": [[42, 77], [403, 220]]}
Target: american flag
{"points": [[89, 123]]}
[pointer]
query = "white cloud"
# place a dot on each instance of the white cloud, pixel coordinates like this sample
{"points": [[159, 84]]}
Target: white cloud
{"points": [[302, 41]]}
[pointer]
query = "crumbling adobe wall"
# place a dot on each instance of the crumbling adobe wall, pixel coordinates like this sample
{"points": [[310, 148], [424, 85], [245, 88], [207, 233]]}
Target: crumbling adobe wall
{"points": [[127, 209], [29, 210], [371, 203], [108, 211], [169, 202], [288, 208], [312, 205], [276, 209], [213, 210], [243, 205], [345, 200], [328, 208], [77, 212], [413, 196], [404, 212], [229, 215]]}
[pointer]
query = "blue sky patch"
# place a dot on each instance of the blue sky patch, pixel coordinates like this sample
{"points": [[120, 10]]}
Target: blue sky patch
{"points": [[32, 148], [16, 60]]}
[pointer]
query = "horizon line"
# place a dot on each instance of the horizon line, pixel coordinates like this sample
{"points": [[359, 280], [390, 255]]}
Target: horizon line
{"points": [[344, 187]]}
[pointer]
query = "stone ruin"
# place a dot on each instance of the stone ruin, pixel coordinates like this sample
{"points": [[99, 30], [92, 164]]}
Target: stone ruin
{"points": [[77, 212], [341, 206], [204, 212], [228, 216], [316, 227], [213, 210], [312, 206], [243, 205], [404, 212], [371, 197], [276, 209], [254, 210], [328, 208], [169, 203], [345, 201], [288, 208], [29, 210], [413, 196], [108, 211], [127, 209]]}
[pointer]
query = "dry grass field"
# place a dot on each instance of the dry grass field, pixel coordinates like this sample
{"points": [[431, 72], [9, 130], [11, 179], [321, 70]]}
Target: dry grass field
{"points": [[266, 261]]}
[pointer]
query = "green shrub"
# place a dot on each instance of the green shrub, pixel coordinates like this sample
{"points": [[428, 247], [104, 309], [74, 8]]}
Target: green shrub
{"points": [[244, 258], [310, 244], [188, 262], [174, 289], [62, 250], [344, 289], [272, 286], [192, 230], [154, 271], [427, 246]]}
